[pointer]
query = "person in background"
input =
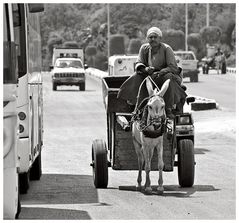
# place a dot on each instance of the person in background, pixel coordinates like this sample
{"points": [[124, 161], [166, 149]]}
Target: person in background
{"points": [[155, 59], [219, 59]]}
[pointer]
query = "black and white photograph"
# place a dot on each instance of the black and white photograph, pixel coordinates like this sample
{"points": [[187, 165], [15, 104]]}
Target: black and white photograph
{"points": [[119, 110]]}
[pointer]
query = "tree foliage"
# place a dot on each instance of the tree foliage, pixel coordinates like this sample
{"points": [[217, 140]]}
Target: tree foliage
{"points": [[87, 25], [210, 34], [134, 46], [174, 38], [117, 44]]}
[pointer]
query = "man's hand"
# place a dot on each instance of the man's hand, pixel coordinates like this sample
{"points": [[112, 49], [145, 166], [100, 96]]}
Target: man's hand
{"points": [[149, 70], [158, 74]]}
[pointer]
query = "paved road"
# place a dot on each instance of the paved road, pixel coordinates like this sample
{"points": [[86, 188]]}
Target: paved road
{"points": [[72, 119], [222, 88]]}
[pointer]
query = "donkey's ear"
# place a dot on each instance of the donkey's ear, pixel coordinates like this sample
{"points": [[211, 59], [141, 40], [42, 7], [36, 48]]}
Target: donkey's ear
{"points": [[164, 87], [149, 87]]}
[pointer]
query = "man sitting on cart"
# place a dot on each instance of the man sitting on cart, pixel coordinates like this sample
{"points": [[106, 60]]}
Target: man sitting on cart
{"points": [[155, 59]]}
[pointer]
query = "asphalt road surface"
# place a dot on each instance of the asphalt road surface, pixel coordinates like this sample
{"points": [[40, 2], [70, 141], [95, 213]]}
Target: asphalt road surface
{"points": [[73, 119]]}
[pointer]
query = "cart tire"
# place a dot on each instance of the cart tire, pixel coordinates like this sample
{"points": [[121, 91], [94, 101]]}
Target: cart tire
{"points": [[186, 163], [100, 163]]}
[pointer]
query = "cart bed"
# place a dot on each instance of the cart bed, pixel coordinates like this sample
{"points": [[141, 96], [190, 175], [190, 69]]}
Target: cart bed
{"points": [[125, 158], [110, 88]]}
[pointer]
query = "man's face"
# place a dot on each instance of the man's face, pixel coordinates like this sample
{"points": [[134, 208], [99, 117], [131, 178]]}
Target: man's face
{"points": [[154, 39]]}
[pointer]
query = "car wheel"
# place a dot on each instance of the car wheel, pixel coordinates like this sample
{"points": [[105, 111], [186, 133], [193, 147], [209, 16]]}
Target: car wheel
{"points": [[54, 87], [82, 87]]}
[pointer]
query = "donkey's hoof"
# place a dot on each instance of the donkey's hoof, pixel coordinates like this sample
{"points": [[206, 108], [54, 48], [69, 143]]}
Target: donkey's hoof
{"points": [[160, 190], [139, 188], [148, 190]]}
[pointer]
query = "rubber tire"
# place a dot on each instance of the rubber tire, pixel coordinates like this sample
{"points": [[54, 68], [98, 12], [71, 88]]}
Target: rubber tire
{"points": [[19, 207], [54, 87], [24, 182], [186, 168], [195, 79], [224, 68], [36, 170], [207, 70], [100, 163], [82, 87]]}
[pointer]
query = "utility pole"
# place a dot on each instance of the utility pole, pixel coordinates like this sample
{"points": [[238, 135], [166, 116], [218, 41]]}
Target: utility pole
{"points": [[108, 29], [207, 14], [186, 26]]}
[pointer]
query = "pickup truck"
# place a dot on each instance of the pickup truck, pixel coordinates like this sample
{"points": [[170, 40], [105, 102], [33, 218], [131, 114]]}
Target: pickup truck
{"points": [[188, 62], [68, 71]]}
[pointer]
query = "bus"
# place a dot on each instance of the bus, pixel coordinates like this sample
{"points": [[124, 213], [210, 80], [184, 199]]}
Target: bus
{"points": [[22, 102]]}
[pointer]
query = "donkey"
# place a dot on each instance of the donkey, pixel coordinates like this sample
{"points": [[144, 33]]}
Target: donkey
{"points": [[143, 143]]}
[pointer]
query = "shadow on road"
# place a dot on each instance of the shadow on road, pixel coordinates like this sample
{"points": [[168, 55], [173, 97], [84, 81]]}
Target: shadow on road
{"points": [[52, 214], [199, 151], [174, 190], [177, 191], [61, 189]]}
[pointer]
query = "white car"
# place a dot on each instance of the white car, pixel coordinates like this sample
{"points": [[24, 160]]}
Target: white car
{"points": [[188, 62], [68, 71]]}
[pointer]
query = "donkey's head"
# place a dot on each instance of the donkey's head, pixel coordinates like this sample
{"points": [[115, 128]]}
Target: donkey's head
{"points": [[156, 104]]}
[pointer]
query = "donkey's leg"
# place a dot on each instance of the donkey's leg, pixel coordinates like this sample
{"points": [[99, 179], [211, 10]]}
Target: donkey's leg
{"points": [[140, 157], [160, 188], [148, 154]]}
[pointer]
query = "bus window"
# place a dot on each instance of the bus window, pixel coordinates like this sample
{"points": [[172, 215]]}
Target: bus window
{"points": [[9, 53]]}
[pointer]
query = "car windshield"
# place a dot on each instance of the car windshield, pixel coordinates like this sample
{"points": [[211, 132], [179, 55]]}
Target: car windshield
{"points": [[68, 63], [185, 56]]}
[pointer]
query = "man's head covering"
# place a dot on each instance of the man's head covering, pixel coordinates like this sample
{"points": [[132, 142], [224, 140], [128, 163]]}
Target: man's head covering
{"points": [[155, 30]]}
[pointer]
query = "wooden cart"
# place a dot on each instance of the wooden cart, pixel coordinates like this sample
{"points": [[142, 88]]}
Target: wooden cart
{"points": [[119, 152]]}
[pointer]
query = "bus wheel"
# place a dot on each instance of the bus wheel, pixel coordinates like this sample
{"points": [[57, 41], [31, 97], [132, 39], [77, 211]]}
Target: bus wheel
{"points": [[24, 182], [18, 208], [18, 201], [36, 170]]}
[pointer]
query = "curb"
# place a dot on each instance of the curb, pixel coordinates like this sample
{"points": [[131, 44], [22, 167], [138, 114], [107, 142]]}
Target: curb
{"points": [[203, 104], [199, 104], [231, 70]]}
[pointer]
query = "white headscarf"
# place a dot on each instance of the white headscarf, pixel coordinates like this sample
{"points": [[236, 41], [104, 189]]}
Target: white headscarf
{"points": [[155, 30], [158, 32]]}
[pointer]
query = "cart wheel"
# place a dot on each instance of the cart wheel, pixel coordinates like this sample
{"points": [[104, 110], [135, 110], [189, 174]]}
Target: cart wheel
{"points": [[99, 163], [186, 163]]}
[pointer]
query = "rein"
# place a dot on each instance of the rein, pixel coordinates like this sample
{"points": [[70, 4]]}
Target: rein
{"points": [[138, 116]]}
